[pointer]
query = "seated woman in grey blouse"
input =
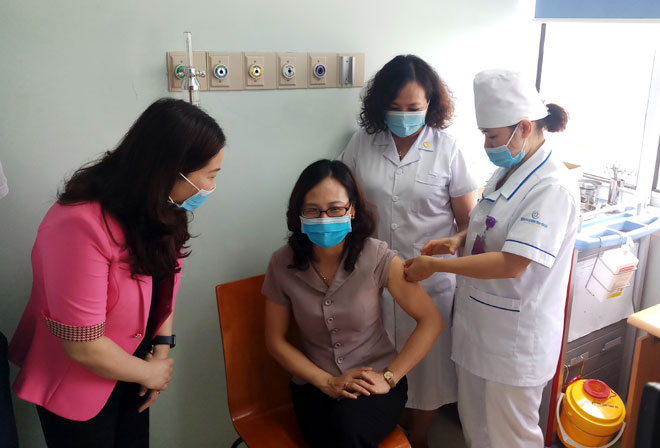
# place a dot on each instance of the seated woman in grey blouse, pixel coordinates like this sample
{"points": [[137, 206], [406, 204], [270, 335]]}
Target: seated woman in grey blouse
{"points": [[349, 386]]}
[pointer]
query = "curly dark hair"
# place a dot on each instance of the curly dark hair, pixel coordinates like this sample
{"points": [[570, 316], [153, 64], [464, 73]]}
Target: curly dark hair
{"points": [[362, 226], [133, 182], [384, 87]]}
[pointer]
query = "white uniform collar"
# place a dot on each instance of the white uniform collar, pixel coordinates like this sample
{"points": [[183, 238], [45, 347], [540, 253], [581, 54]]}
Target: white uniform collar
{"points": [[423, 143], [518, 178]]}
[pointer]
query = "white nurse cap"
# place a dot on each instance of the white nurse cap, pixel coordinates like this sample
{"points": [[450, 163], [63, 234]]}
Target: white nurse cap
{"points": [[504, 98]]}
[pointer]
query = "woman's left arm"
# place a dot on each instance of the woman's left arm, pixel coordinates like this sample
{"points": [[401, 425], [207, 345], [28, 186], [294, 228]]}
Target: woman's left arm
{"points": [[416, 302], [160, 351], [462, 206]]}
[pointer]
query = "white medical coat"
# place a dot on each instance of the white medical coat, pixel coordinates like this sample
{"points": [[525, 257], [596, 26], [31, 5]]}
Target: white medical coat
{"points": [[413, 200], [510, 330], [4, 188]]}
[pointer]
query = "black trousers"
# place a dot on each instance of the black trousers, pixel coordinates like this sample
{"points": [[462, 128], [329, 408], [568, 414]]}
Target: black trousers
{"points": [[8, 434], [347, 423], [117, 425]]}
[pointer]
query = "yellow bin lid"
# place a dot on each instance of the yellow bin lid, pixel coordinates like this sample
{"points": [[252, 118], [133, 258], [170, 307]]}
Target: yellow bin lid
{"points": [[599, 408]]}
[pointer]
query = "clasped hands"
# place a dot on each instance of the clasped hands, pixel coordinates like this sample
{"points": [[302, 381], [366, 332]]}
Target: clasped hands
{"points": [[422, 267], [160, 366], [356, 382]]}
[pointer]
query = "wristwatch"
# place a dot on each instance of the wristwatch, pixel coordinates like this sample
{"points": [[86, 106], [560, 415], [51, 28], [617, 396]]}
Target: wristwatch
{"points": [[169, 340], [389, 377]]}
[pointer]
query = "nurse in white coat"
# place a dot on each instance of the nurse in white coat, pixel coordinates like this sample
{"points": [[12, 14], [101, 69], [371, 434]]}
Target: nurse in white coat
{"points": [[512, 282], [417, 178]]}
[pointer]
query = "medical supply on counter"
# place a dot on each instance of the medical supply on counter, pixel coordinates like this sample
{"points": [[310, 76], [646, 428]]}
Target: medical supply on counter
{"points": [[589, 190], [615, 192]]}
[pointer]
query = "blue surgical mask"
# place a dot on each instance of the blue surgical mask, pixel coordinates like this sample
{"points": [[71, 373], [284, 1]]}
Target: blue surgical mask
{"points": [[404, 124], [501, 156], [195, 200], [326, 232]]}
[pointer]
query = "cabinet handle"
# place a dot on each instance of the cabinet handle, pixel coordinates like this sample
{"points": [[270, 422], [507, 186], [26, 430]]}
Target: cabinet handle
{"points": [[611, 344]]}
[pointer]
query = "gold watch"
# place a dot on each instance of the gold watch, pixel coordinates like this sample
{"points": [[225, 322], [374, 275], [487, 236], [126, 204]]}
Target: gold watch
{"points": [[389, 377]]}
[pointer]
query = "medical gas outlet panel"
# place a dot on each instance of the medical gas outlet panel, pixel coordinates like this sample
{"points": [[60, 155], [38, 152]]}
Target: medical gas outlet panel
{"points": [[268, 71]]}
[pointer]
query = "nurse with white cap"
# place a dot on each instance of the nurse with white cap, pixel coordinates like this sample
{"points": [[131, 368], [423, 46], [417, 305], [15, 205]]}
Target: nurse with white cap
{"points": [[512, 283]]}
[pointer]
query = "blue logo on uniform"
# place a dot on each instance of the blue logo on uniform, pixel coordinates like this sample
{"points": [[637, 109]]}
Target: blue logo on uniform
{"points": [[534, 219]]}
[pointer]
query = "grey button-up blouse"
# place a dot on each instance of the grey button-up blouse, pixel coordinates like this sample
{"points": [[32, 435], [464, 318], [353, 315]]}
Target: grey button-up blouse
{"points": [[340, 325]]}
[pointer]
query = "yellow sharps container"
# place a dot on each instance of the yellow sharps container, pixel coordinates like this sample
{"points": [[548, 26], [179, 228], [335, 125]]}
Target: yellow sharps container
{"points": [[591, 413]]}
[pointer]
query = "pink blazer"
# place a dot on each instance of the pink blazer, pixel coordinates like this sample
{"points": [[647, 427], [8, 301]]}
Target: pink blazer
{"points": [[81, 290]]}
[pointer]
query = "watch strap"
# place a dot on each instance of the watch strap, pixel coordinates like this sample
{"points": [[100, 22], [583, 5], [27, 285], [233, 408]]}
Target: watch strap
{"points": [[166, 340]]}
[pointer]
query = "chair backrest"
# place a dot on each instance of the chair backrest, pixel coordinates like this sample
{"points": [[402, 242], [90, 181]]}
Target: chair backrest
{"points": [[255, 381], [648, 422]]}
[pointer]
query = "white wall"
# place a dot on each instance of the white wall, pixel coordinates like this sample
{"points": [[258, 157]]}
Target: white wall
{"points": [[77, 73]]}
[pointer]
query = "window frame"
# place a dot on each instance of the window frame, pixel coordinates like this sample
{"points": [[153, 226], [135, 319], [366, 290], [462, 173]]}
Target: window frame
{"points": [[647, 182]]}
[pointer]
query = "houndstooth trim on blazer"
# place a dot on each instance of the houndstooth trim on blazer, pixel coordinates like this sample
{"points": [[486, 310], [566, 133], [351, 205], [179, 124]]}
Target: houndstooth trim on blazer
{"points": [[75, 334]]}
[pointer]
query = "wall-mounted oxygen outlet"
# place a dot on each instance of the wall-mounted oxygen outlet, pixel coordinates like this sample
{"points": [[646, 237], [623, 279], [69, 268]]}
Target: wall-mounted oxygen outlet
{"points": [[221, 72], [319, 70], [289, 71], [226, 71], [268, 71], [322, 70], [179, 71], [292, 70], [260, 72], [256, 71], [175, 70]]}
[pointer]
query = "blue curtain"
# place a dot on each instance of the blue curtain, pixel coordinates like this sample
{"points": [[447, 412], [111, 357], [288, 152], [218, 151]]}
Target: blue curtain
{"points": [[597, 9]]}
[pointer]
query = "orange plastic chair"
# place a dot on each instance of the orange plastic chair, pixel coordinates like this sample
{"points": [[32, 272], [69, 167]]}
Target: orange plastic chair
{"points": [[257, 387]]}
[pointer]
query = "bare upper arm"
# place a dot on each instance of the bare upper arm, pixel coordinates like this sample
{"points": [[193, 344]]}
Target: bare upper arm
{"points": [[276, 320], [462, 206], [411, 297], [515, 264]]}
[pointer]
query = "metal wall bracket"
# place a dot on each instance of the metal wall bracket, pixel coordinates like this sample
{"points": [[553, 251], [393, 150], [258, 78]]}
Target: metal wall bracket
{"points": [[346, 70]]}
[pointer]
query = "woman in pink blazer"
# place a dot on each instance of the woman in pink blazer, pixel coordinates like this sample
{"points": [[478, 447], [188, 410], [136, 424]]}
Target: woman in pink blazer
{"points": [[93, 343]]}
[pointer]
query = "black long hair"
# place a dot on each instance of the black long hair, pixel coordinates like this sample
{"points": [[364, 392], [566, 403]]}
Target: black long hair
{"points": [[132, 183], [362, 226], [384, 87], [555, 121]]}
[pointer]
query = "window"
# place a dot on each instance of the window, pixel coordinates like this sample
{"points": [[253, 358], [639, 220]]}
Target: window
{"points": [[606, 76]]}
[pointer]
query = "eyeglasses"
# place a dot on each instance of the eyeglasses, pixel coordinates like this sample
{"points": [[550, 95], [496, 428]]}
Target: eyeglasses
{"points": [[332, 212]]}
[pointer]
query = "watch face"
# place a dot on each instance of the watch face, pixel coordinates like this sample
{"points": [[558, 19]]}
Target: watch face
{"points": [[389, 377]]}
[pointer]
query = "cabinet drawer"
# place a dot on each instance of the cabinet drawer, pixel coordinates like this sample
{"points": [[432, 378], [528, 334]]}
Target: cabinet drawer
{"points": [[599, 341]]}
